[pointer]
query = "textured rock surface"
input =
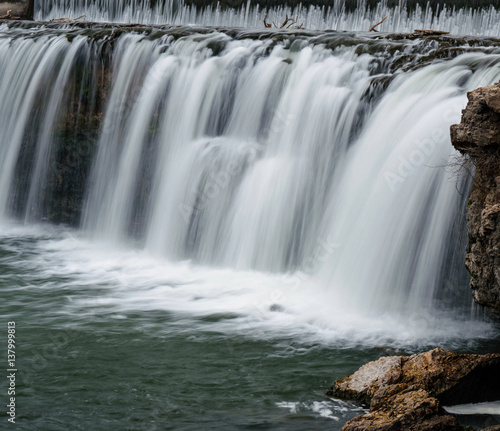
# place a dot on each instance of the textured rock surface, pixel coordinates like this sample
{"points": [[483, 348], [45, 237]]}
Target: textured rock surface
{"points": [[363, 384], [478, 136], [17, 8], [412, 409], [406, 392]]}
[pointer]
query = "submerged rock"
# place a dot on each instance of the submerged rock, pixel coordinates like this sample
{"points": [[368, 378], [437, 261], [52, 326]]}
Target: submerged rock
{"points": [[406, 392], [478, 137]]}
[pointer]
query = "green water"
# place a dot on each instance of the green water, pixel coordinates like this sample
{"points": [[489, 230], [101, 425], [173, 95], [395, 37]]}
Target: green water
{"points": [[99, 367]]}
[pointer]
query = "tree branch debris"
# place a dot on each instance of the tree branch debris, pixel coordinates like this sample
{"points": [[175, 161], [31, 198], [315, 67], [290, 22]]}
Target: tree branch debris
{"points": [[288, 23], [372, 28]]}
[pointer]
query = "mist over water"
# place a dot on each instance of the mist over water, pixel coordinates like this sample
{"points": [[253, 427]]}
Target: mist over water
{"points": [[103, 283]]}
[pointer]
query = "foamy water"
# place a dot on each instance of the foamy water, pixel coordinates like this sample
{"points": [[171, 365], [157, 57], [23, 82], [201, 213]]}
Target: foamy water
{"points": [[102, 282]]}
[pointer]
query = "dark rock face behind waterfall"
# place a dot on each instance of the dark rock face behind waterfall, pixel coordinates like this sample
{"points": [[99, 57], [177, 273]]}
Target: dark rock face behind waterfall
{"points": [[478, 137]]}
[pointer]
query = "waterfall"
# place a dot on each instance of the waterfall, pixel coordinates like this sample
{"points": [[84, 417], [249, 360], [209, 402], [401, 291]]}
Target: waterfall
{"points": [[318, 158], [229, 127], [341, 16], [387, 237]]}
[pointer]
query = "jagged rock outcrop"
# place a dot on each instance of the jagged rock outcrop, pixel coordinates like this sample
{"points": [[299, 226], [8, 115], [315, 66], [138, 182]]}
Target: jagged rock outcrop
{"points": [[406, 392], [478, 137]]}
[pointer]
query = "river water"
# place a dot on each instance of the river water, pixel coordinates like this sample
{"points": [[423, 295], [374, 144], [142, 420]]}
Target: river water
{"points": [[113, 338]]}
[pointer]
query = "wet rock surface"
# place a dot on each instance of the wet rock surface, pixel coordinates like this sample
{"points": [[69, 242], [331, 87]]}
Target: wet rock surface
{"points": [[407, 392], [478, 138]]}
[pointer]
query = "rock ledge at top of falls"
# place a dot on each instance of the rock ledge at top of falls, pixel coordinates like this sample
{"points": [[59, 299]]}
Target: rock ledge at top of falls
{"points": [[406, 392], [478, 138]]}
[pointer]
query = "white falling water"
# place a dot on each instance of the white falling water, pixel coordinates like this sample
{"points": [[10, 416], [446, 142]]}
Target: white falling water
{"points": [[391, 236], [279, 184], [54, 102], [479, 22], [265, 157], [242, 196], [38, 70]]}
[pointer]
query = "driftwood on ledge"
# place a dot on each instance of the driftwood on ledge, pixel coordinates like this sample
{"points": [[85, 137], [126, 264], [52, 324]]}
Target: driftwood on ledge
{"points": [[67, 19], [423, 33], [372, 28], [430, 32], [416, 33], [288, 23]]}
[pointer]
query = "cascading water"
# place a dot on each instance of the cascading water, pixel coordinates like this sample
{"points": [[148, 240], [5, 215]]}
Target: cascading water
{"points": [[252, 158], [341, 16], [250, 121], [394, 234], [280, 200]]}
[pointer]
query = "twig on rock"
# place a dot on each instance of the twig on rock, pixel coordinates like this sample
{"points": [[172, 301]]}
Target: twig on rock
{"points": [[266, 24], [372, 28]]}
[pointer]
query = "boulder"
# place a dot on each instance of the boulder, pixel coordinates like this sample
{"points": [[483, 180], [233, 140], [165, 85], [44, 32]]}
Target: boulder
{"points": [[406, 392], [409, 409]]}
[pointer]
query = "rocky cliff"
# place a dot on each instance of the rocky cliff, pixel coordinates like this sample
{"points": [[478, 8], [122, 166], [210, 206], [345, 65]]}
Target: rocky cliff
{"points": [[477, 137]]}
